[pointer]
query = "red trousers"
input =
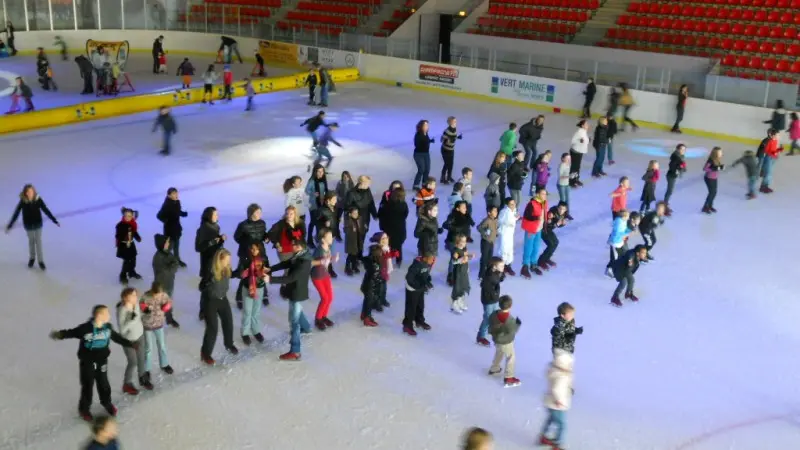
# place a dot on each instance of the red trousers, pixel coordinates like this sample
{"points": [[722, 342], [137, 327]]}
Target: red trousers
{"points": [[325, 290]]}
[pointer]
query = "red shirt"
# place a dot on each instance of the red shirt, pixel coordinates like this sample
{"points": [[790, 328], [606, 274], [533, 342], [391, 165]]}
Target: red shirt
{"points": [[227, 77], [773, 149], [620, 202], [503, 316]]}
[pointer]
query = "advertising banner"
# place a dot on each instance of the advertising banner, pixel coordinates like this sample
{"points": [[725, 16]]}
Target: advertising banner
{"points": [[330, 58], [523, 88], [279, 52], [438, 76]]}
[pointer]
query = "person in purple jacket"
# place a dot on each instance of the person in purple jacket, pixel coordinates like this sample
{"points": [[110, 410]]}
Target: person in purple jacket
{"points": [[541, 172]]}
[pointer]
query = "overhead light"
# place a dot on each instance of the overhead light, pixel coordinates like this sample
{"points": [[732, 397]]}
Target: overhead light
{"points": [[462, 13], [413, 10]]}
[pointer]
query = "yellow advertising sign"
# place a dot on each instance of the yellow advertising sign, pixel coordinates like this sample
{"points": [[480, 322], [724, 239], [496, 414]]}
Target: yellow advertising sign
{"points": [[279, 52], [117, 50]]}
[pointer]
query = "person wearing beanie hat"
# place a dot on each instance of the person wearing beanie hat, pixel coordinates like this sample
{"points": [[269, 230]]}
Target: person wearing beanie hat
{"points": [[558, 398]]}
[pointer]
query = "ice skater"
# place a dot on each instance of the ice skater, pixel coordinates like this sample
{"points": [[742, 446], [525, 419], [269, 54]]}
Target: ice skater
{"points": [[624, 269], [208, 240], [170, 215], [563, 332], [168, 126], [312, 124], [506, 225], [422, 153], [534, 220], [32, 206], [209, 77], [617, 240], [449, 137], [104, 434], [155, 304], [490, 296], [321, 268], [311, 81], [427, 230], [354, 235], [558, 399], [325, 139], [327, 218], [556, 218], [750, 163], [579, 146], [315, 191], [186, 72], [392, 217], [295, 280], [647, 227], [388, 254], [371, 285], [488, 231], [711, 171], [503, 327], [127, 234], [541, 173], [772, 151], [129, 321], [460, 257], [477, 439], [252, 230], [600, 144], [619, 197], [676, 169], [650, 178], [529, 135], [250, 92], [253, 275], [217, 308], [418, 284]]}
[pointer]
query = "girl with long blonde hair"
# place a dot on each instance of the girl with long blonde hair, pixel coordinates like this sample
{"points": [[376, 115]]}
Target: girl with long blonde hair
{"points": [[218, 307], [712, 169]]}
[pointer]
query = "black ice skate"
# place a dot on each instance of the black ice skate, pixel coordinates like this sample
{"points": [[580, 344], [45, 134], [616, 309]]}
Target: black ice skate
{"points": [[30, 263]]}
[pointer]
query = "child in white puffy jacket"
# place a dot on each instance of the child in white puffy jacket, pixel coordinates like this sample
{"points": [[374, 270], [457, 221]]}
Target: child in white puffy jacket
{"points": [[558, 398]]}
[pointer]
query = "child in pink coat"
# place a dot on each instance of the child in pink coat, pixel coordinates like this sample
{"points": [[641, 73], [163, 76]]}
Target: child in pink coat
{"points": [[794, 133]]}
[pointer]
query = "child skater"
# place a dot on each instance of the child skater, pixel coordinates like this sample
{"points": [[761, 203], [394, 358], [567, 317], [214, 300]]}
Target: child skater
{"points": [[506, 225], [127, 231], [542, 172], [155, 304], [490, 296], [488, 231], [563, 180], [449, 137], [217, 308], [564, 331], [250, 91], [712, 168], [170, 215], [354, 235], [624, 269], [499, 168], [95, 335], [478, 439], [492, 195], [371, 284], [325, 139], [186, 72], [418, 283], [426, 194], [503, 327], [162, 62], [750, 163], [253, 275], [650, 179], [227, 83], [556, 218], [295, 194], [455, 196], [327, 218], [387, 255], [677, 167], [619, 197], [466, 192], [129, 320], [32, 206], [617, 239], [321, 277], [558, 399], [460, 258], [457, 223], [165, 266], [343, 188], [104, 434], [209, 77], [647, 227]]}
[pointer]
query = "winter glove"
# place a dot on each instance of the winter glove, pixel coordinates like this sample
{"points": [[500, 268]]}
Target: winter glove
{"points": [[579, 330], [432, 140], [56, 335], [459, 136], [184, 213], [145, 309], [132, 316], [519, 322], [167, 307], [441, 230]]}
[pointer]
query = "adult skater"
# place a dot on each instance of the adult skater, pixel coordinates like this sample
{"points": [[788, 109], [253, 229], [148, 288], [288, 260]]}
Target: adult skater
{"points": [[170, 215], [624, 269], [579, 145], [32, 206], [677, 167], [529, 135], [778, 120], [217, 305], [361, 198], [158, 49], [449, 137], [233, 47], [168, 126], [588, 97], [9, 31], [312, 125], [316, 188], [600, 144], [627, 102], [771, 152], [712, 168], [613, 102], [252, 230], [325, 84], [422, 153], [208, 240], [295, 280], [680, 107], [87, 72], [325, 139], [392, 217]]}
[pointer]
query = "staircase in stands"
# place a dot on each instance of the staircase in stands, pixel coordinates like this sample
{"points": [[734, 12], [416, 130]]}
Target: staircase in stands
{"points": [[604, 18]]}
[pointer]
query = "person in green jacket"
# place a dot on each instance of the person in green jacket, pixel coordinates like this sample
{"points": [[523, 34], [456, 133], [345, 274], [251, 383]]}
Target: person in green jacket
{"points": [[508, 142]]}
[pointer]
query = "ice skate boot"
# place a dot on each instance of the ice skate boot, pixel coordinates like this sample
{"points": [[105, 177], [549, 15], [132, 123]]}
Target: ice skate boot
{"points": [[616, 302], [511, 382], [525, 273]]}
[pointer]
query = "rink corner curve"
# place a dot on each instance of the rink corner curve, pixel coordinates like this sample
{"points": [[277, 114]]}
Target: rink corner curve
{"points": [[107, 108]]}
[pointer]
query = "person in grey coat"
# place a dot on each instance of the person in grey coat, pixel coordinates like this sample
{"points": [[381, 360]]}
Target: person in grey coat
{"points": [[503, 327], [165, 266], [492, 195]]}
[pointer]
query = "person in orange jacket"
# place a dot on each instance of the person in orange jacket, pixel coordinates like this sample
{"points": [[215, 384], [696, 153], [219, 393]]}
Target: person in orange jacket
{"points": [[771, 152]]}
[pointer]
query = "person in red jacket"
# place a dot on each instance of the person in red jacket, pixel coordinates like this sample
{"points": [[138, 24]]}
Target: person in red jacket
{"points": [[771, 152], [533, 223], [227, 81], [619, 197]]}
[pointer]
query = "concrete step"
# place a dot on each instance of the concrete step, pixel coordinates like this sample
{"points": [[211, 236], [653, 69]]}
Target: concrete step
{"points": [[604, 19]]}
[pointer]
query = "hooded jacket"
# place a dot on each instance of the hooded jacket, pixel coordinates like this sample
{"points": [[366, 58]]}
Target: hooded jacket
{"points": [[427, 233], [130, 322], [298, 272], [492, 195], [517, 173], [530, 133], [503, 331], [31, 213], [165, 265], [170, 215], [559, 380]]}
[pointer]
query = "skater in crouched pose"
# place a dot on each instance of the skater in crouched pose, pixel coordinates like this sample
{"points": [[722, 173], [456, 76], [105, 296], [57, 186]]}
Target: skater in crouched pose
{"points": [[647, 227], [750, 163], [564, 331], [127, 231], [418, 283], [503, 327], [556, 218], [624, 269], [217, 305], [32, 206], [558, 399], [95, 336]]}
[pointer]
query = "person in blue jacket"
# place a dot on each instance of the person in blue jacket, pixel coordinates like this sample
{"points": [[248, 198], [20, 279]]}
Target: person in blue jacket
{"points": [[622, 227]]}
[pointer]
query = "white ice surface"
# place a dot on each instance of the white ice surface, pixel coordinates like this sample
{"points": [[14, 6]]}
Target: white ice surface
{"points": [[705, 361]]}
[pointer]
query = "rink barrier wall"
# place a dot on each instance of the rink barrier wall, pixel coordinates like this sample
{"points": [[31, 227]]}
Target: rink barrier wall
{"points": [[104, 109]]}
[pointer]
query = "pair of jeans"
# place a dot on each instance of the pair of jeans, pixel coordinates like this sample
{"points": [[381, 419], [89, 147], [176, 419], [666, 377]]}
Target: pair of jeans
{"points": [[766, 167], [483, 329], [530, 154], [251, 311], [626, 284], [563, 193], [325, 290], [423, 162], [670, 188], [35, 244], [233, 49], [91, 373], [600, 156], [751, 184], [155, 339], [175, 247], [558, 419], [323, 152], [649, 240], [298, 324], [610, 150], [678, 119], [711, 186], [323, 94], [136, 360], [530, 249], [167, 141], [516, 194]]}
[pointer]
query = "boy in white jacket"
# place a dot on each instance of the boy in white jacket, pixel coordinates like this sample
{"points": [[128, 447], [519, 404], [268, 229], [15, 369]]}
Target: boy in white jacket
{"points": [[129, 321], [558, 398], [578, 147]]}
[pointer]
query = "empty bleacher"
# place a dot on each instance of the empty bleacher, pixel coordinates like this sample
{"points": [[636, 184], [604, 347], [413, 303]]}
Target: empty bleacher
{"points": [[545, 20]]}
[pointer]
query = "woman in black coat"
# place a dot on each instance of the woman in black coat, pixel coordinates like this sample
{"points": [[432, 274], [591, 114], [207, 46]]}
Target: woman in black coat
{"points": [[170, 215], [422, 153], [371, 285], [392, 217], [427, 230], [361, 198], [32, 206], [207, 241], [499, 167]]}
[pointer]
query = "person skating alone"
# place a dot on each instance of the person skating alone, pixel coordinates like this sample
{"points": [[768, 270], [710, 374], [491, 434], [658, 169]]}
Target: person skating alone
{"points": [[579, 145], [772, 151], [208, 240], [449, 137], [252, 230], [529, 135], [504, 327], [166, 122], [711, 170], [209, 77], [488, 231], [648, 225], [506, 225], [155, 304], [295, 280], [32, 206], [422, 153], [624, 269], [588, 97], [418, 283], [680, 107], [490, 296], [676, 169], [750, 163], [600, 144], [312, 125], [558, 399], [325, 140], [165, 266], [217, 308], [253, 277], [93, 352], [127, 234], [21, 92], [311, 81], [323, 260], [170, 215], [650, 178], [186, 72], [627, 102], [563, 332], [250, 92], [129, 321]]}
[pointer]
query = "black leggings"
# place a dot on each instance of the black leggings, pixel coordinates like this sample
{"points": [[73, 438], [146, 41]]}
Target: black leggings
{"points": [[625, 110], [575, 167], [678, 119], [551, 241], [415, 308], [94, 373], [217, 307], [670, 188], [711, 185], [447, 169]]}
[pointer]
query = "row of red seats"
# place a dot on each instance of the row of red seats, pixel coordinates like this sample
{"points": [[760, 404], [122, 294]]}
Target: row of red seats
{"points": [[713, 43], [782, 4], [530, 36], [756, 63], [762, 31], [201, 18], [361, 2], [760, 76], [342, 21], [540, 13], [573, 4], [401, 14], [745, 15], [265, 3], [231, 11], [334, 8], [321, 29], [528, 25]]}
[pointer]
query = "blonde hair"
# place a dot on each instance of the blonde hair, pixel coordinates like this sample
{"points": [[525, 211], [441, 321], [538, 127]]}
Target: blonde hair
{"points": [[715, 155], [364, 179], [652, 164], [219, 268]]}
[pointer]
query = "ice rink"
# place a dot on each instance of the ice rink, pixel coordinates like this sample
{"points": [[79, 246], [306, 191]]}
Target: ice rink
{"points": [[705, 361]]}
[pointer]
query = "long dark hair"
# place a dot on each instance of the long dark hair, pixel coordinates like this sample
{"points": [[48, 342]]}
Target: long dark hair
{"points": [[398, 195], [420, 124], [207, 213]]}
